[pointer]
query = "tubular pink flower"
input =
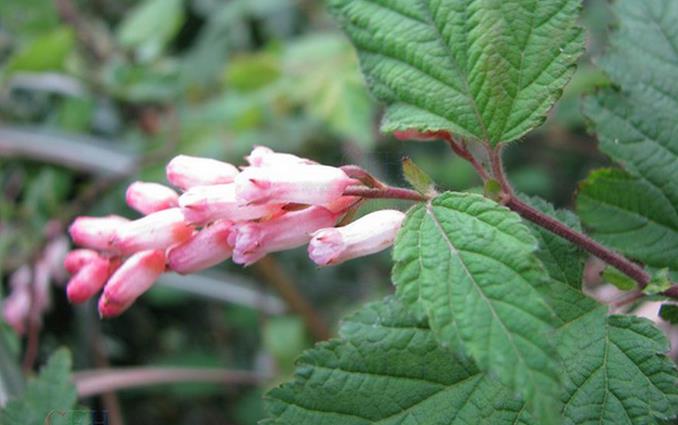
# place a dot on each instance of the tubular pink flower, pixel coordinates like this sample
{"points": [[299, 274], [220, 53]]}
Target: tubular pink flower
{"points": [[90, 278], [205, 249], [148, 198], [293, 183], [421, 136], [262, 156], [96, 232], [158, 230], [76, 259], [252, 241], [202, 204], [367, 235], [17, 306], [132, 279], [186, 171]]}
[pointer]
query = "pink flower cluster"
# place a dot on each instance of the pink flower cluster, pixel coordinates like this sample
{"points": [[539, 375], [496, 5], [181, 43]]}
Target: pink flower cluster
{"points": [[277, 202]]}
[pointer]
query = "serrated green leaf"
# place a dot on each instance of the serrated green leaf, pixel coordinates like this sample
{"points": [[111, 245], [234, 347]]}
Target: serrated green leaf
{"points": [[49, 398], [669, 313], [636, 127], [388, 368], [484, 69], [616, 371], [603, 358], [471, 264], [631, 215]]}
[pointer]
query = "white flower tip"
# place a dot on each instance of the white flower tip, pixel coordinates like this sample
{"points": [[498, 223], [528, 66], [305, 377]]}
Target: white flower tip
{"points": [[326, 247]]}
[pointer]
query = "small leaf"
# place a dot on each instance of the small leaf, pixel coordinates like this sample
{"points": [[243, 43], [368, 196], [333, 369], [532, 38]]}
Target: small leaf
{"points": [[618, 279], [485, 70], [660, 282], [471, 264], [669, 312], [49, 398], [417, 177], [492, 189]]}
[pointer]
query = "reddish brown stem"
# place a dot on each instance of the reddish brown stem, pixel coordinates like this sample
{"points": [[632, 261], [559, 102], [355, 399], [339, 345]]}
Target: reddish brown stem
{"points": [[461, 150], [387, 192], [611, 257]]}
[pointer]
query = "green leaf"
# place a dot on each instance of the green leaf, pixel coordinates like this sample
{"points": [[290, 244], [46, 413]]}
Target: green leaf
{"points": [[637, 212], [471, 264], [49, 398], [150, 25], [417, 177], [616, 371], [484, 69], [614, 368], [388, 368], [631, 215], [669, 313]]}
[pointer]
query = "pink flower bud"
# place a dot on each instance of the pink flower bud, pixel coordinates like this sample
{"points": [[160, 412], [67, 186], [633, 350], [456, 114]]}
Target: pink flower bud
{"points": [[132, 279], [367, 235], [421, 136], [252, 241], [148, 198], [90, 279], [17, 306], [262, 156], [187, 171], [205, 249], [76, 259], [294, 183], [95, 232], [203, 204], [158, 230]]}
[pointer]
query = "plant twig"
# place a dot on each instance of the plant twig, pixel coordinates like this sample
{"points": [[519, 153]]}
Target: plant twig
{"points": [[94, 382], [460, 149], [611, 257]]}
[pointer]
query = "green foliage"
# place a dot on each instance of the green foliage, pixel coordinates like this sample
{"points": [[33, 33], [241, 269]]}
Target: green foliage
{"points": [[483, 69], [637, 212], [387, 367], [613, 367], [49, 398], [471, 264]]}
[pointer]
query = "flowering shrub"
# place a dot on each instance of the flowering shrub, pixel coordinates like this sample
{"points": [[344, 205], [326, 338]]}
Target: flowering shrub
{"points": [[489, 322]]}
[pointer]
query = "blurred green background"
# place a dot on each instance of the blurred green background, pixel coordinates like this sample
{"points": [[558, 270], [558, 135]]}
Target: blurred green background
{"points": [[96, 94]]}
